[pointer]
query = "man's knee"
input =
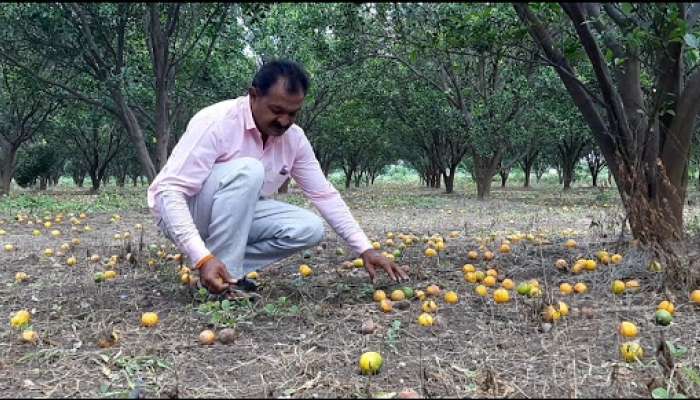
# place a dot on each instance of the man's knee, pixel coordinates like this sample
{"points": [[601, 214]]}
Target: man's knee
{"points": [[246, 169], [310, 230]]}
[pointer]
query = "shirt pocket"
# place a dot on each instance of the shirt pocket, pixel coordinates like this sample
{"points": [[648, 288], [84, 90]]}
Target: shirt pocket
{"points": [[274, 179]]}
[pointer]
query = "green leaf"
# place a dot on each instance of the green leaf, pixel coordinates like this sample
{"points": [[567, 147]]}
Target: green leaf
{"points": [[226, 305], [659, 393], [676, 351]]}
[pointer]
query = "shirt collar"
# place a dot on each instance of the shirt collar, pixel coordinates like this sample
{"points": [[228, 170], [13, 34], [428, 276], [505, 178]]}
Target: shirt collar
{"points": [[248, 116]]}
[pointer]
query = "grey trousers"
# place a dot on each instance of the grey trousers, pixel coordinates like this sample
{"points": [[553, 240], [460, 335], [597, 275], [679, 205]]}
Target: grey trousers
{"points": [[242, 229]]}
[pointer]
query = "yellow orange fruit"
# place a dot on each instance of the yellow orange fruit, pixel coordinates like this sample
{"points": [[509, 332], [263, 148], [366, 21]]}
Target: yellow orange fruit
{"points": [[616, 259], [207, 337], [632, 285], [376, 245], [21, 277], [71, 261], [491, 272], [429, 252], [468, 268], [110, 274], [480, 275], [488, 255], [149, 319], [252, 275], [695, 296], [370, 363], [618, 287], [305, 270], [628, 329], [631, 351], [420, 295], [590, 265], [425, 319], [429, 306], [29, 336], [386, 305], [504, 249], [563, 309], [379, 295], [668, 306], [20, 319], [48, 252], [473, 255], [580, 288], [451, 297], [433, 290], [481, 290], [570, 244], [470, 277], [566, 288], [398, 295], [489, 281], [508, 284], [551, 314], [501, 295]]}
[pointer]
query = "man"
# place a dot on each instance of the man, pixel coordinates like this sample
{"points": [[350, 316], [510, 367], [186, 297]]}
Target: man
{"points": [[210, 197]]}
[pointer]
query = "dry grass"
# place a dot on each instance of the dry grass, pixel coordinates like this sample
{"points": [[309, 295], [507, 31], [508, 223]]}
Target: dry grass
{"points": [[478, 348]]}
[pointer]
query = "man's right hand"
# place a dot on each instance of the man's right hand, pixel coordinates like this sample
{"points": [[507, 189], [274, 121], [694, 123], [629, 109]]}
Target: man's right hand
{"points": [[214, 276]]}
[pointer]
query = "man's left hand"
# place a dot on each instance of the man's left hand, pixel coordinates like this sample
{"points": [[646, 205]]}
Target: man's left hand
{"points": [[373, 259]]}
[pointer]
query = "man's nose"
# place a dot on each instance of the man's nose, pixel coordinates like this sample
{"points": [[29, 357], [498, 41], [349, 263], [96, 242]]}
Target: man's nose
{"points": [[284, 120]]}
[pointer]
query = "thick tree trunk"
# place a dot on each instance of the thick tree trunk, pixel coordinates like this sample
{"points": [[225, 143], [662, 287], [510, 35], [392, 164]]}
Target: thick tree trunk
{"points": [[8, 164], [96, 181], [121, 180], [43, 182], [567, 176], [348, 178], [483, 187], [449, 180]]}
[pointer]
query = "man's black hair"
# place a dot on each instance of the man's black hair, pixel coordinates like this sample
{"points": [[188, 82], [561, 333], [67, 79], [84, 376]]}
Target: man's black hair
{"points": [[294, 75]]}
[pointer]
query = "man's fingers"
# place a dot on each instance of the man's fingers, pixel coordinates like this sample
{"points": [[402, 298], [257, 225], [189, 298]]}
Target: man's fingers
{"points": [[370, 271], [401, 272], [226, 276], [389, 270]]}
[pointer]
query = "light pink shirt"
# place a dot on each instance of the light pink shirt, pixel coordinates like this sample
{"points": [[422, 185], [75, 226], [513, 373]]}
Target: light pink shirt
{"points": [[222, 132]]}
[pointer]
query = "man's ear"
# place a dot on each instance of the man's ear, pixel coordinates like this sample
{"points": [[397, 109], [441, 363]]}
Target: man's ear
{"points": [[253, 92]]}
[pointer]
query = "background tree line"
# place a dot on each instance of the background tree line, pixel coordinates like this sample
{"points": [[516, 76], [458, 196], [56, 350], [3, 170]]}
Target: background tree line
{"points": [[104, 90]]}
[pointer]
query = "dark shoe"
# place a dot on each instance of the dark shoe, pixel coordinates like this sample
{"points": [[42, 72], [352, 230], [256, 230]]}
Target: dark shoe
{"points": [[247, 285]]}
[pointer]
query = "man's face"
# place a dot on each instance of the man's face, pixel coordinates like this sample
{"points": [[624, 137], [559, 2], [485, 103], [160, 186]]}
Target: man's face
{"points": [[275, 112]]}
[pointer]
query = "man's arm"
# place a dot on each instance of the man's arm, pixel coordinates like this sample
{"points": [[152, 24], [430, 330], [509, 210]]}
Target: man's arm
{"points": [[307, 172], [182, 176]]}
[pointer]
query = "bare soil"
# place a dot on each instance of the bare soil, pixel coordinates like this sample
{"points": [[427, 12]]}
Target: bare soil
{"points": [[478, 348]]}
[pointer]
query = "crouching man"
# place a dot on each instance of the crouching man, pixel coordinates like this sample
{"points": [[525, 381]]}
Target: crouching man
{"points": [[210, 197]]}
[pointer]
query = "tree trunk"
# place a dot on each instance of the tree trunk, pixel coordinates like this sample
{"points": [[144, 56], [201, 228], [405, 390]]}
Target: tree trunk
{"points": [[96, 181], [348, 178], [567, 177], [504, 173], [133, 128], [483, 187], [43, 182], [121, 180], [8, 164], [449, 180]]}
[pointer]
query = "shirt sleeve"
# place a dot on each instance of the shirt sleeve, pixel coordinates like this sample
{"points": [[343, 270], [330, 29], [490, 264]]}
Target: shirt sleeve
{"points": [[307, 172], [189, 165]]}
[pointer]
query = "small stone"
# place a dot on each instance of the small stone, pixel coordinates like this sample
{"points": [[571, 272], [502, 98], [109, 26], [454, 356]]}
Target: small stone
{"points": [[546, 327], [368, 327], [402, 305]]}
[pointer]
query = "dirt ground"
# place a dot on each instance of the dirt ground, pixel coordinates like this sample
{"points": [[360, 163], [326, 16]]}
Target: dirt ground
{"points": [[302, 339]]}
